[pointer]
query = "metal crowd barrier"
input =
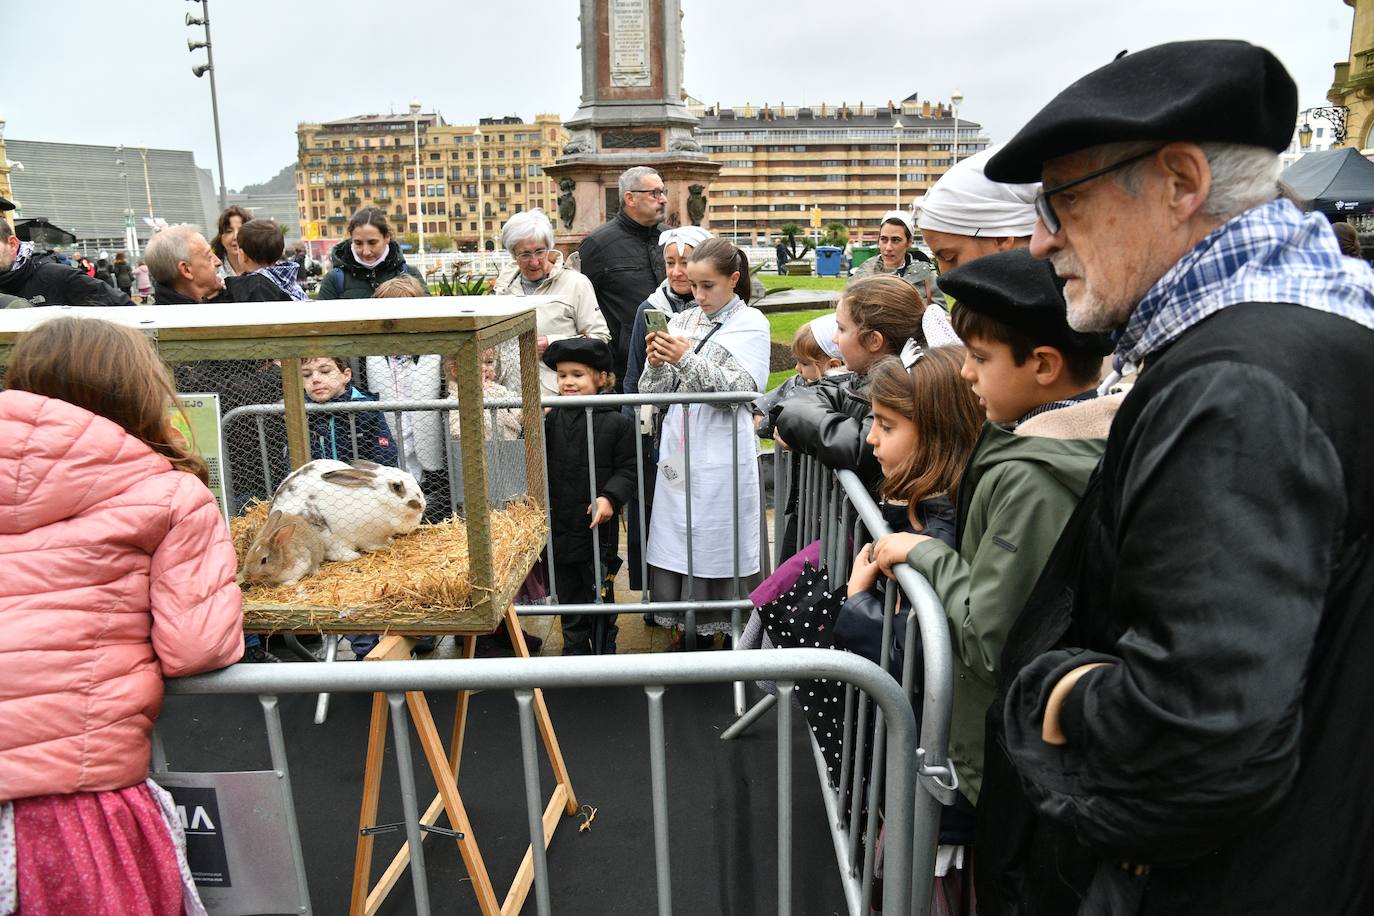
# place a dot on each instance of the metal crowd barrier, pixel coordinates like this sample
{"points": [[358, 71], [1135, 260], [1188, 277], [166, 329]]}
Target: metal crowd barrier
{"points": [[653, 673], [836, 509]]}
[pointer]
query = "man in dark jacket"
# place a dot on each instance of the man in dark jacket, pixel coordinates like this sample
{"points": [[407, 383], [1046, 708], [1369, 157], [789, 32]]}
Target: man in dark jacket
{"points": [[42, 281], [1187, 702], [622, 257]]}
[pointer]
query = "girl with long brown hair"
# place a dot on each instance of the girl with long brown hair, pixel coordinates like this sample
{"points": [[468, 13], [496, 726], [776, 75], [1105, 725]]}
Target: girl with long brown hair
{"points": [[116, 570]]}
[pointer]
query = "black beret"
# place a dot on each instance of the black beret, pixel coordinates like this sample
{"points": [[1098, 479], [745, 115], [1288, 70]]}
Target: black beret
{"points": [[586, 350], [1202, 91], [1022, 292], [5, 204]]}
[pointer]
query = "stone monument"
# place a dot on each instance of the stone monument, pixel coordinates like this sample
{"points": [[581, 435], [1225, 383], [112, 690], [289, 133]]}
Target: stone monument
{"points": [[632, 113]]}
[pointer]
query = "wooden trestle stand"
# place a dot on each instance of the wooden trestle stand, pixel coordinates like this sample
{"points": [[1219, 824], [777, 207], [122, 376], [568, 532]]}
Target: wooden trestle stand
{"points": [[449, 800]]}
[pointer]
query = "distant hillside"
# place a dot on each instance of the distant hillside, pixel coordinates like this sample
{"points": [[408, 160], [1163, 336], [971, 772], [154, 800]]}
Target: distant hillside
{"points": [[284, 182]]}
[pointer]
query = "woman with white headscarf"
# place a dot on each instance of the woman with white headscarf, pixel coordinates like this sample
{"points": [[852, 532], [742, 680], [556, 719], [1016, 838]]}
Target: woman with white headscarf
{"points": [[896, 233], [673, 295]]}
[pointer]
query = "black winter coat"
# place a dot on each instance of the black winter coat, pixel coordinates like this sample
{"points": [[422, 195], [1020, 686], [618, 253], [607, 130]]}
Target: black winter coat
{"points": [[347, 279], [251, 288], [43, 281], [570, 493], [831, 420], [625, 264], [1222, 565]]}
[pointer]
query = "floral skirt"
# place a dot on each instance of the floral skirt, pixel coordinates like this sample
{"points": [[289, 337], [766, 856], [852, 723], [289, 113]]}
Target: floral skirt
{"points": [[96, 853]]}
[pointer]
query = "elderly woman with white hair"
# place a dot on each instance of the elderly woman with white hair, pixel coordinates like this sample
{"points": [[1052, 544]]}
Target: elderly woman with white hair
{"points": [[569, 308]]}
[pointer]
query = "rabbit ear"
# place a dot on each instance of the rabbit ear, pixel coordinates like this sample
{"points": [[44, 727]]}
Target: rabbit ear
{"points": [[272, 517], [364, 465], [350, 478], [282, 535]]}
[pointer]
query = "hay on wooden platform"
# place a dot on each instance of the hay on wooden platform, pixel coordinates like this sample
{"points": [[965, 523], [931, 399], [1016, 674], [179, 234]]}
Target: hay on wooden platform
{"points": [[419, 583]]}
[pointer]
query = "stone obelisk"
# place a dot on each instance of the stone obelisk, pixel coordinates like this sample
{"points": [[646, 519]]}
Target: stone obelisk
{"points": [[632, 113]]}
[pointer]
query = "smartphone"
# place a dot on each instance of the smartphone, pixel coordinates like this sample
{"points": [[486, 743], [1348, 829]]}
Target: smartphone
{"points": [[654, 320]]}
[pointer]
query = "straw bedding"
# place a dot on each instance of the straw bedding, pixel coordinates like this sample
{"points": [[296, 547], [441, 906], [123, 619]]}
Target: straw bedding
{"points": [[418, 584]]}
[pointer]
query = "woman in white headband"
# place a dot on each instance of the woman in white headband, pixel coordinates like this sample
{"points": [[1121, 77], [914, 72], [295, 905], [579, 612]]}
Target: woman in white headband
{"points": [[673, 295], [895, 235]]}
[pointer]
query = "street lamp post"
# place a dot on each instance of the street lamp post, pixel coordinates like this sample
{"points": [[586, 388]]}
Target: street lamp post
{"points": [[956, 100], [201, 70], [897, 128], [481, 204], [419, 188], [736, 232], [147, 185], [130, 233]]}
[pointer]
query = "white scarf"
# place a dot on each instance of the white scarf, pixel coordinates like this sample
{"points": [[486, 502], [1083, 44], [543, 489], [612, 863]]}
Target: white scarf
{"points": [[370, 264]]}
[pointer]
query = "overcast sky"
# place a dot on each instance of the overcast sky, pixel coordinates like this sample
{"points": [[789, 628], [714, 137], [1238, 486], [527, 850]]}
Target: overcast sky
{"points": [[117, 71]]}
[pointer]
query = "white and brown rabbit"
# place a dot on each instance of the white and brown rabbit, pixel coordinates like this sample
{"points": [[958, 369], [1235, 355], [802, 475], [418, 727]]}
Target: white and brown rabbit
{"points": [[355, 508], [285, 550]]}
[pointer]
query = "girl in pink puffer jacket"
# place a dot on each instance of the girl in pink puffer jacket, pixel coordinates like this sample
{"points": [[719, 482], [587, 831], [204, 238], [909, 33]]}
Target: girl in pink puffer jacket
{"points": [[116, 570]]}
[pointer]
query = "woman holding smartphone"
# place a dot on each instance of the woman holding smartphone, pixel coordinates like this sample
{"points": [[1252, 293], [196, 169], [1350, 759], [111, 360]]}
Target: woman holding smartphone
{"points": [[673, 295]]}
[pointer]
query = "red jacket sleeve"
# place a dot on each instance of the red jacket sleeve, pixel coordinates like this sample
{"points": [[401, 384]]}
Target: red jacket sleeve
{"points": [[196, 603]]}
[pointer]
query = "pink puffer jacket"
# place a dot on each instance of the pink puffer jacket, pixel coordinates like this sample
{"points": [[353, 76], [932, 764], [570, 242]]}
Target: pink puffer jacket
{"points": [[115, 572]]}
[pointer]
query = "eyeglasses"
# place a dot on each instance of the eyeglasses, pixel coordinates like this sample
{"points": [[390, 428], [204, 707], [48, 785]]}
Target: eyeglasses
{"points": [[652, 192], [537, 254], [1045, 210]]}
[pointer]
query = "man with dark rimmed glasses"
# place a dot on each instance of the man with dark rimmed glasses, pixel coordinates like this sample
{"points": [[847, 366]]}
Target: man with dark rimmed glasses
{"points": [[1183, 717], [622, 257]]}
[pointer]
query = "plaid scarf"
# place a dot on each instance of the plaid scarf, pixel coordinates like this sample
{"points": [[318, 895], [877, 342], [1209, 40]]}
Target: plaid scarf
{"points": [[1269, 253]]}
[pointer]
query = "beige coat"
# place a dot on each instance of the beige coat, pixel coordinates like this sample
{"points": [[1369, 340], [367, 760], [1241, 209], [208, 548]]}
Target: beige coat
{"points": [[570, 310]]}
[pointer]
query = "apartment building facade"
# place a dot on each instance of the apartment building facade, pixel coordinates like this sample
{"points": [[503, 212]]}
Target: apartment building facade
{"points": [[471, 178], [854, 162]]}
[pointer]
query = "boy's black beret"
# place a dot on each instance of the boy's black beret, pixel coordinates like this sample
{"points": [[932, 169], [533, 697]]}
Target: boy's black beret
{"points": [[1200, 91], [1022, 292], [586, 350]]}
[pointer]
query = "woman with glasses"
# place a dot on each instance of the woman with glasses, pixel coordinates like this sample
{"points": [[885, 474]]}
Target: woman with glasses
{"points": [[570, 309]]}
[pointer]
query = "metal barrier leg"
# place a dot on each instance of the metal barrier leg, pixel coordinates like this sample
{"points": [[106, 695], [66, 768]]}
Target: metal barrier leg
{"points": [[535, 810], [735, 630], [784, 798], [750, 716], [846, 752], [276, 744], [331, 649], [658, 768], [401, 735]]}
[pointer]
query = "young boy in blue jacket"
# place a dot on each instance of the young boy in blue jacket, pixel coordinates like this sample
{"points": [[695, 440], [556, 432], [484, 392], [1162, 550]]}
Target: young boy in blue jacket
{"points": [[343, 436]]}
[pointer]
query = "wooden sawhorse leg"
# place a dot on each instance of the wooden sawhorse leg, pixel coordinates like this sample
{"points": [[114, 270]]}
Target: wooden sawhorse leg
{"points": [[444, 767]]}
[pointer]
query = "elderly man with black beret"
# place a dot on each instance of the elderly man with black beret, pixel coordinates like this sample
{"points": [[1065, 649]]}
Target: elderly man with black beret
{"points": [[1187, 698]]}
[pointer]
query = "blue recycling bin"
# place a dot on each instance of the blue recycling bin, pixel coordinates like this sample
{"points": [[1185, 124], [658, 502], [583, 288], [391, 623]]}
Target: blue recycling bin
{"points": [[828, 261]]}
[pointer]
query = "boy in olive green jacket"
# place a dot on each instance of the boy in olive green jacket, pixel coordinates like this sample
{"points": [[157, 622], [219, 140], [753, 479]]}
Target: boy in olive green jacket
{"points": [[1036, 377]]}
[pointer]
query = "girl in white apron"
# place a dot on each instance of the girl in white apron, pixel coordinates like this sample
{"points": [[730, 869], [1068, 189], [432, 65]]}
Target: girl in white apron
{"points": [[721, 344]]}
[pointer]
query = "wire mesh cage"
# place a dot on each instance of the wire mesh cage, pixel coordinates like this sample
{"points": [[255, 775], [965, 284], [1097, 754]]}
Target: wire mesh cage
{"points": [[353, 457]]}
